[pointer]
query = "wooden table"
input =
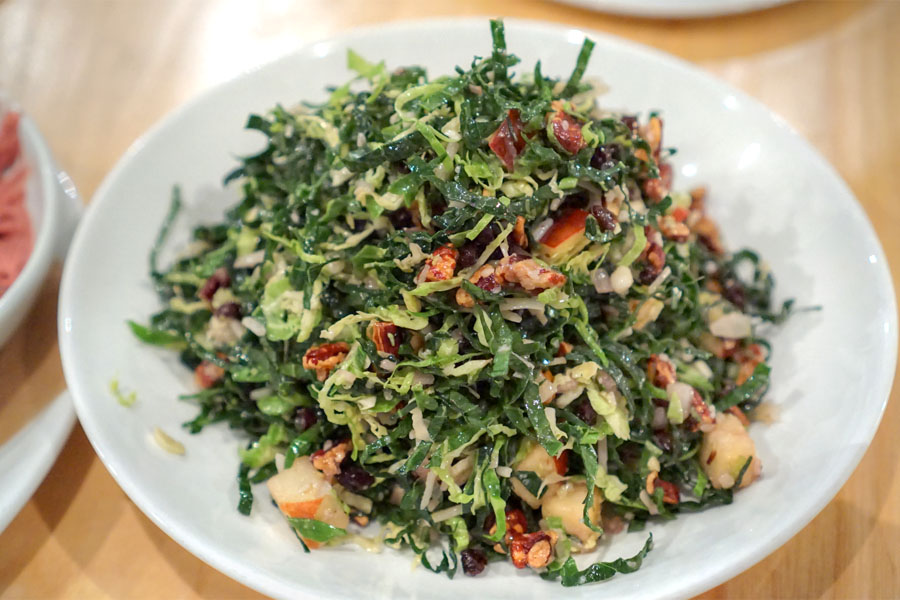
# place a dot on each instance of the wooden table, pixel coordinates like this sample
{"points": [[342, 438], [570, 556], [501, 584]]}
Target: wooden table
{"points": [[96, 73]]}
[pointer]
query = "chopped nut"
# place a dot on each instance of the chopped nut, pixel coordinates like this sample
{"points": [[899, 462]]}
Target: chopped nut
{"points": [[385, 335], [324, 358], [329, 461], [673, 229], [748, 359], [705, 412], [518, 234], [464, 298], [539, 555], [652, 133], [660, 371], [671, 494], [708, 234], [531, 549], [654, 189], [441, 264], [528, 274], [698, 196], [485, 279]]}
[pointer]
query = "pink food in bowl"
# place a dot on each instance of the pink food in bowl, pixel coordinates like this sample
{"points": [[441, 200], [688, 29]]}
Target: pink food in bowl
{"points": [[16, 234]]}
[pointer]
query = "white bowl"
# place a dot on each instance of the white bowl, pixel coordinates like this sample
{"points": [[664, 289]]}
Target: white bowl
{"points": [[832, 369], [54, 209], [676, 9]]}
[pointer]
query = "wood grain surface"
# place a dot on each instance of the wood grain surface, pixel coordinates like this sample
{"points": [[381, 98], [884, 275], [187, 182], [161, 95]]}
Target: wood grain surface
{"points": [[95, 74]]}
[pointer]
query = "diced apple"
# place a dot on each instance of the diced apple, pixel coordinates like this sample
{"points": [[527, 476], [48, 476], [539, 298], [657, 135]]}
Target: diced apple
{"points": [[541, 464], [566, 236], [302, 492], [725, 450], [566, 501]]}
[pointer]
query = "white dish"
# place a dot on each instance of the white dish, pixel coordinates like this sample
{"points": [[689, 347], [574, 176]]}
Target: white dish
{"points": [[769, 189], [54, 207], [27, 457], [676, 9]]}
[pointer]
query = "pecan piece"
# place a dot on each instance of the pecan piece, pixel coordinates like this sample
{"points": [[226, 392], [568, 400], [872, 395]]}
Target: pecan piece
{"points": [[464, 298], [698, 198], [329, 461], [671, 495], [660, 371], [441, 264], [483, 278], [708, 234], [324, 358], [518, 232], [532, 549], [673, 229], [528, 274], [653, 256], [385, 335], [748, 359], [705, 412]]}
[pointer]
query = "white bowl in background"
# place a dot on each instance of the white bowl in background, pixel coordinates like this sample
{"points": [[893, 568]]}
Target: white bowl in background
{"points": [[54, 207], [769, 189], [676, 9]]}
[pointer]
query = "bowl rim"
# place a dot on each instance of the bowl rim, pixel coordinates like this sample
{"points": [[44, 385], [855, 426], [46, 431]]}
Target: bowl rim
{"points": [[663, 9], [243, 572]]}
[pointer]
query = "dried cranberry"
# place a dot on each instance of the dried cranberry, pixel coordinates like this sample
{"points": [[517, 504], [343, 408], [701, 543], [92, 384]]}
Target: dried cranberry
{"points": [[229, 310], [354, 477], [734, 293], [219, 279], [647, 275], [585, 412], [606, 156], [663, 439], [576, 200], [468, 254], [488, 283], [304, 418], [401, 219], [473, 561], [438, 207], [605, 218], [487, 235]]}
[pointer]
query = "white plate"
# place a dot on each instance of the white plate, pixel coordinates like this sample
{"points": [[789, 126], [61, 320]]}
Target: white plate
{"points": [[676, 9], [27, 457], [832, 369]]}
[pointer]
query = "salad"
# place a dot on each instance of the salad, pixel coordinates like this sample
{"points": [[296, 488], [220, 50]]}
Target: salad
{"points": [[470, 316]]}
